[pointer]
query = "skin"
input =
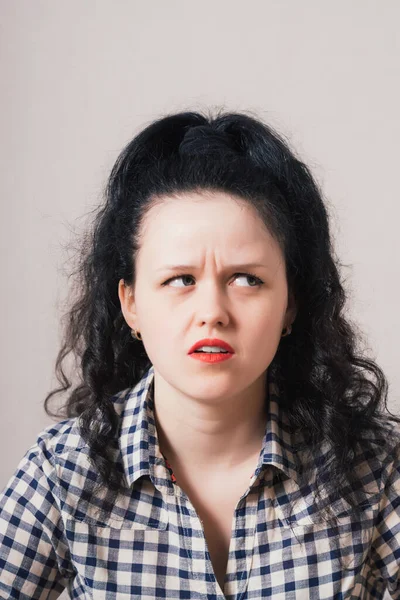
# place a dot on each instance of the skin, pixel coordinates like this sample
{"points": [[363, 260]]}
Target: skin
{"points": [[210, 417]]}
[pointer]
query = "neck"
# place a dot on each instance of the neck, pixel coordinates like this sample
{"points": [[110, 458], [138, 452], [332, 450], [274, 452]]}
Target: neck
{"points": [[204, 435]]}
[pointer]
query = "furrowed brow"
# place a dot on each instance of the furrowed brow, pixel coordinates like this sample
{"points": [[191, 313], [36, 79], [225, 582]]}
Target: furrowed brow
{"points": [[240, 267]]}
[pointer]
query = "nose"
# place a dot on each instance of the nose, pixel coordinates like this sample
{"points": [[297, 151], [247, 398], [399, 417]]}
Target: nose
{"points": [[211, 305]]}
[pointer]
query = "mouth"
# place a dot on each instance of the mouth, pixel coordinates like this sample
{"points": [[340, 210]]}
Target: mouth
{"points": [[211, 346], [211, 357]]}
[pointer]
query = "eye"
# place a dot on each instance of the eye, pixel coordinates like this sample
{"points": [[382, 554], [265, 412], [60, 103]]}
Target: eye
{"points": [[176, 278], [258, 281]]}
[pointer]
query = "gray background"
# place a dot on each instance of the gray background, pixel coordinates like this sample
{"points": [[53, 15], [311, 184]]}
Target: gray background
{"points": [[79, 79]]}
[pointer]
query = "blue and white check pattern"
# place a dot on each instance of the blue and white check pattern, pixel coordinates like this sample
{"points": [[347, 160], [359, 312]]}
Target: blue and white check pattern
{"points": [[152, 545]]}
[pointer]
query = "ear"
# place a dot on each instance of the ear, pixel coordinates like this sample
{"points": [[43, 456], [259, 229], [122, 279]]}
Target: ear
{"points": [[126, 296], [291, 310]]}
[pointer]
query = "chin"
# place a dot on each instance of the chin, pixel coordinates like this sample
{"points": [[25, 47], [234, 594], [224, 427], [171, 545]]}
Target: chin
{"points": [[212, 390]]}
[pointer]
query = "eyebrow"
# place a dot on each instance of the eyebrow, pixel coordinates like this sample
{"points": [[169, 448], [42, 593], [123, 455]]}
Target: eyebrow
{"points": [[183, 267]]}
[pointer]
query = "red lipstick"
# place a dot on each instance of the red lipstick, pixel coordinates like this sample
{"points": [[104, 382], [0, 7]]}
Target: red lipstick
{"points": [[211, 357]]}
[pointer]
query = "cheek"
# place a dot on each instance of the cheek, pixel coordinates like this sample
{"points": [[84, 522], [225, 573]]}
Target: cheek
{"points": [[156, 323], [267, 317], [150, 308], [266, 328]]}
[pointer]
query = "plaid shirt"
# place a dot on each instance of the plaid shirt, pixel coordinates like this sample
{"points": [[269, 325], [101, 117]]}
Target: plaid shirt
{"points": [[152, 545]]}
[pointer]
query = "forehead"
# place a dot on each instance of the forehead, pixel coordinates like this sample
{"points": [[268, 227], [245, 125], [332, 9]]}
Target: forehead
{"points": [[186, 228], [185, 217]]}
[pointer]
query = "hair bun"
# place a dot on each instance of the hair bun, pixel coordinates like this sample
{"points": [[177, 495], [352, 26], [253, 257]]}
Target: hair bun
{"points": [[203, 139]]}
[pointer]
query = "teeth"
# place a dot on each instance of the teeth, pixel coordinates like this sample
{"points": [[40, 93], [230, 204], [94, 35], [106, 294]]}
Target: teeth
{"points": [[210, 349]]}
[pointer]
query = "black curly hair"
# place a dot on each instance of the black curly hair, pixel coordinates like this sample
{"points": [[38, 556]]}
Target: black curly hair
{"points": [[329, 387]]}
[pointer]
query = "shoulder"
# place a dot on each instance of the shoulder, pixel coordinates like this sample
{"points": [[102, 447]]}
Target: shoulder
{"points": [[61, 441], [377, 462], [57, 465]]}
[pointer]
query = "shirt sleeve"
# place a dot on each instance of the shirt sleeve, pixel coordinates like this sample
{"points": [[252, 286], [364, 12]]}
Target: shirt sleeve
{"points": [[386, 541], [33, 554]]}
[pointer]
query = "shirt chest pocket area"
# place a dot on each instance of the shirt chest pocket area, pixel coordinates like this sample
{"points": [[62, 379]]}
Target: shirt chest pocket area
{"points": [[140, 513], [117, 553], [347, 537], [155, 519]]}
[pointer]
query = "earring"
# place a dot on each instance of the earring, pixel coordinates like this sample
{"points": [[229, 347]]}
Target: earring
{"points": [[287, 332], [136, 334]]}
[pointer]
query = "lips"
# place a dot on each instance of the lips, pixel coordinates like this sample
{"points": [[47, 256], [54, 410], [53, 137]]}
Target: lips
{"points": [[211, 342]]}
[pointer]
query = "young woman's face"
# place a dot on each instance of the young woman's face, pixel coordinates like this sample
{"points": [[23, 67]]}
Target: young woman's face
{"points": [[233, 288]]}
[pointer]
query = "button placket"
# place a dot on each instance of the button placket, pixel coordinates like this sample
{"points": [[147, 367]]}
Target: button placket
{"points": [[241, 548]]}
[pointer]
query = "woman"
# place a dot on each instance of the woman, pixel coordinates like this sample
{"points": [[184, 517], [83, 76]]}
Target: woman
{"points": [[227, 437]]}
